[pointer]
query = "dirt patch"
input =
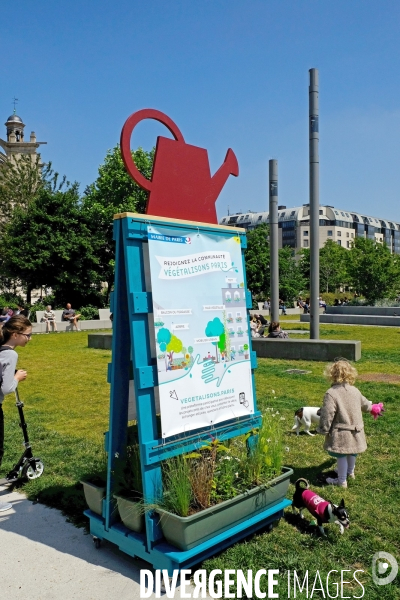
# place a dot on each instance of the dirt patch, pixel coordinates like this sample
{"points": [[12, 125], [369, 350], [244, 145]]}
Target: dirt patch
{"points": [[383, 377]]}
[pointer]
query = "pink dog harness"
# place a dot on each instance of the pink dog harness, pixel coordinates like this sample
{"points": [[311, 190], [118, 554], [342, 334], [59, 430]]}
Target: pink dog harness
{"points": [[315, 504]]}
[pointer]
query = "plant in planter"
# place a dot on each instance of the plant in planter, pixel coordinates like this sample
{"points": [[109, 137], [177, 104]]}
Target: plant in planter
{"points": [[222, 485], [128, 485], [94, 487]]}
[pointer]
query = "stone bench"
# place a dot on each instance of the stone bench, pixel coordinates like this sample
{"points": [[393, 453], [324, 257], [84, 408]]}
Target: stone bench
{"points": [[102, 323], [321, 350], [356, 320], [370, 311]]}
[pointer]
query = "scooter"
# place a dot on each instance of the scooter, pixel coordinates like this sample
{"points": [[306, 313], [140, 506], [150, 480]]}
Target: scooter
{"points": [[28, 466]]}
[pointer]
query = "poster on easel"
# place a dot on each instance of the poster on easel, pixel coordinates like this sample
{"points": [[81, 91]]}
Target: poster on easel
{"points": [[200, 328]]}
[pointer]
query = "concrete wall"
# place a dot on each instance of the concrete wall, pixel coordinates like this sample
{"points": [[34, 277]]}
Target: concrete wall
{"points": [[64, 326], [101, 341], [321, 350], [363, 310], [355, 320]]}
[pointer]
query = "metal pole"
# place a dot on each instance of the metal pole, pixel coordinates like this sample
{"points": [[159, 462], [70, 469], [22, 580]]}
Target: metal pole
{"points": [[273, 239], [314, 203]]}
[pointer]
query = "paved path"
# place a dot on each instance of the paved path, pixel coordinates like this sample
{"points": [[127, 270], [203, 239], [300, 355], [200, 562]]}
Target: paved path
{"points": [[42, 557]]}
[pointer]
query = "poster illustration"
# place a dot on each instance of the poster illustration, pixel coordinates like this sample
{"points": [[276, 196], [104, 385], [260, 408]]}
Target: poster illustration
{"points": [[200, 327]]}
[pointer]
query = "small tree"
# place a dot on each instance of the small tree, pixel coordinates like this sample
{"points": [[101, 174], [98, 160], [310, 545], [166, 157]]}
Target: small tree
{"points": [[291, 279], [257, 260], [163, 339], [332, 265], [114, 191], [49, 244], [374, 272], [175, 345], [215, 328]]}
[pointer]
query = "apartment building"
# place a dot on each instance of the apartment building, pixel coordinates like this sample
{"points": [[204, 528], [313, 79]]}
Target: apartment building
{"points": [[340, 226]]}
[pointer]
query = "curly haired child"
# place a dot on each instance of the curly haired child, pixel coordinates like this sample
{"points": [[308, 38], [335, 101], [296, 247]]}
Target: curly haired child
{"points": [[341, 419]]}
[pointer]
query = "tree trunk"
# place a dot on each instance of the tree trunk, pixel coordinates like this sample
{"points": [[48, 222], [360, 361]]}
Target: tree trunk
{"points": [[29, 289]]}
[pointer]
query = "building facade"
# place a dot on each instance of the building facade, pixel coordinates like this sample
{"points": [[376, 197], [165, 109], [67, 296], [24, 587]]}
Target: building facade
{"points": [[15, 145], [340, 226]]}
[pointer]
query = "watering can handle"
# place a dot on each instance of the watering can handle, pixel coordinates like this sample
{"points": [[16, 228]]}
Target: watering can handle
{"points": [[126, 133]]}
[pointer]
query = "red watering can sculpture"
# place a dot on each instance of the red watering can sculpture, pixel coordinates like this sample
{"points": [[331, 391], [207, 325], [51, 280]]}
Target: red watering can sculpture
{"points": [[181, 186]]}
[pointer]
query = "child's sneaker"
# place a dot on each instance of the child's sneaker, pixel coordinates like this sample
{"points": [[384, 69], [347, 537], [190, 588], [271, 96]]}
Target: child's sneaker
{"points": [[351, 475], [331, 481]]}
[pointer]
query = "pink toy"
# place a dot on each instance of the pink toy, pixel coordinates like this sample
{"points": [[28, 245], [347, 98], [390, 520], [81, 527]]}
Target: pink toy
{"points": [[377, 410]]}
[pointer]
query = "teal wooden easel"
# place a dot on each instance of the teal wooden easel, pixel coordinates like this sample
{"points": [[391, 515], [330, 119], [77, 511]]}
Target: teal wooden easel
{"points": [[131, 359]]}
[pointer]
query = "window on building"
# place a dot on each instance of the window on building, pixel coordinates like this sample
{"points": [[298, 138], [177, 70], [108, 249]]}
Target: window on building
{"points": [[352, 234], [348, 244], [292, 213], [241, 218], [223, 220], [282, 215], [330, 232], [321, 212], [347, 234], [339, 233], [305, 243], [339, 242], [259, 218], [305, 232]]}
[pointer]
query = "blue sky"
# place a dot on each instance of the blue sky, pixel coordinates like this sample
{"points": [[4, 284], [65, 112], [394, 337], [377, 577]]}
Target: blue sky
{"points": [[230, 74]]}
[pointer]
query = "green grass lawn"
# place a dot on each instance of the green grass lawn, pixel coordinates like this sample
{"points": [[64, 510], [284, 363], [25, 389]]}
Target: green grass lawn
{"points": [[66, 397]]}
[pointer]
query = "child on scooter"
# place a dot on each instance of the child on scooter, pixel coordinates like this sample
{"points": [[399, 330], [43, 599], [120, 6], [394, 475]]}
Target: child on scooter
{"points": [[17, 331]]}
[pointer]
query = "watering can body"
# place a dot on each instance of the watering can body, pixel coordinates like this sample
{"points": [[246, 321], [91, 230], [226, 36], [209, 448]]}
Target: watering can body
{"points": [[181, 186]]}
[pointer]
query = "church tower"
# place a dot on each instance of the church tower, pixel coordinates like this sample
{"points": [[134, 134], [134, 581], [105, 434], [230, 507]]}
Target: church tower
{"points": [[15, 145]]}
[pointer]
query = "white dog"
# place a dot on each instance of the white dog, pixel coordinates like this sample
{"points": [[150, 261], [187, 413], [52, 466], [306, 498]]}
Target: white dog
{"points": [[306, 416]]}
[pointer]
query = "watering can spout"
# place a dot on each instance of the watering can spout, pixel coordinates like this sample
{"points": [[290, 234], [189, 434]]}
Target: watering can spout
{"points": [[229, 167]]}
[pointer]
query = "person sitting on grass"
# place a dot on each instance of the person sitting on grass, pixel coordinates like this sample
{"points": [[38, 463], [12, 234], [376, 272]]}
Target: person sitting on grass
{"points": [[254, 326], [70, 315], [49, 318], [275, 331]]}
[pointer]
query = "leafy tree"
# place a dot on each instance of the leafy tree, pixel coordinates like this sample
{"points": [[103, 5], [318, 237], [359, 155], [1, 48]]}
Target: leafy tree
{"points": [[163, 339], [291, 279], [215, 328], [257, 260], [332, 265], [374, 272], [21, 180], [49, 244], [222, 342], [114, 191], [175, 345], [305, 266]]}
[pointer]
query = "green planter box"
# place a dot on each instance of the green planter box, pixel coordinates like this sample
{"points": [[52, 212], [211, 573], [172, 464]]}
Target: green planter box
{"points": [[94, 495], [131, 513], [187, 532]]}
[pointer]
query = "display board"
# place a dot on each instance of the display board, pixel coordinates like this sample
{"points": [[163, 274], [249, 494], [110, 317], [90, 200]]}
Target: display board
{"points": [[200, 328]]}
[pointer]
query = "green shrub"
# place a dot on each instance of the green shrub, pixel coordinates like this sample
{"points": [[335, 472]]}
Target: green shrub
{"points": [[10, 300], [329, 297], [88, 313]]}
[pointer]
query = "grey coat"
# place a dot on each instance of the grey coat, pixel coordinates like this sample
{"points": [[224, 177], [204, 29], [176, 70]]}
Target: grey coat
{"points": [[8, 362], [341, 419]]}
